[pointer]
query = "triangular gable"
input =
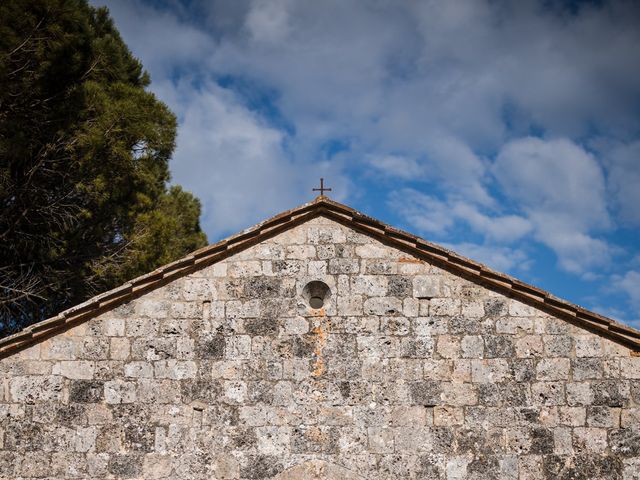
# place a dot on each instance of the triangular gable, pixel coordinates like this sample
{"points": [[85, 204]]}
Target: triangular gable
{"points": [[416, 246]]}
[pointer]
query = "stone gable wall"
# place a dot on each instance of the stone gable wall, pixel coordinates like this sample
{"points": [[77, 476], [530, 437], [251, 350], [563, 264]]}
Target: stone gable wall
{"points": [[406, 372]]}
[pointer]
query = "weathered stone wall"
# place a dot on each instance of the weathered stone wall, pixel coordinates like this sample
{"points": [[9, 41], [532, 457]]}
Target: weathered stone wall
{"points": [[407, 372]]}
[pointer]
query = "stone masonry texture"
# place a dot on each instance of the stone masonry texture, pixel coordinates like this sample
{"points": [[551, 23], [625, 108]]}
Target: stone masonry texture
{"points": [[407, 371]]}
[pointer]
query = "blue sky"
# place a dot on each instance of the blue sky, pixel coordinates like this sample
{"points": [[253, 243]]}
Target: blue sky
{"points": [[507, 131]]}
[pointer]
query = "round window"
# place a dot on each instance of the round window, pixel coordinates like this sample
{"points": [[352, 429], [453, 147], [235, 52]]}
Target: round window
{"points": [[316, 294]]}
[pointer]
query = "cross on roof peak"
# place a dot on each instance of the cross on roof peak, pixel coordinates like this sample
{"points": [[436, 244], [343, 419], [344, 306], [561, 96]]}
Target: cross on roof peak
{"points": [[322, 188]]}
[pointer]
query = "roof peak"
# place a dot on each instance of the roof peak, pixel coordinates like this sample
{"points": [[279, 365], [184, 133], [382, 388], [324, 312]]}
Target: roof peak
{"points": [[323, 205]]}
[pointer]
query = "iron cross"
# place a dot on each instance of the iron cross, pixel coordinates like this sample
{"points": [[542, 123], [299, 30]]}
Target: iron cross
{"points": [[321, 189]]}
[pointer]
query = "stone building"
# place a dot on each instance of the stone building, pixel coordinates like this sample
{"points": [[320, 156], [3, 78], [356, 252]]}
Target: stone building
{"points": [[322, 344]]}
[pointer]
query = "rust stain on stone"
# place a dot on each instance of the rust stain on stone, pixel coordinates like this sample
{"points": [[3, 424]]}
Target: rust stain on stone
{"points": [[409, 260], [321, 332], [315, 435], [318, 312]]}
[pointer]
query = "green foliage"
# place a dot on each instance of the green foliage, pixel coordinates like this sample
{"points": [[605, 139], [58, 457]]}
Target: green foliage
{"points": [[84, 153]]}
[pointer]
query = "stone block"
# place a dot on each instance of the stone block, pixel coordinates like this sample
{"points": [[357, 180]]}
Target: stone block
{"points": [[183, 310], [157, 466], [437, 369], [630, 367], [548, 393], [410, 307], [519, 309], [125, 465], [610, 393], [249, 268], [312, 439], [373, 250], [369, 285], [326, 251], [296, 326], [350, 305], [394, 325], [430, 325], [235, 392], [300, 252], [514, 325], [317, 268], [588, 345], [380, 439], [113, 327], [343, 266], [240, 309], [58, 348], [118, 391], [403, 416], [138, 369], [572, 416], [557, 345], [462, 325], [529, 346], [472, 346], [586, 368], [326, 234], [151, 308], [80, 369], [141, 327], [579, 394], [33, 389], [86, 391], [553, 369], [198, 289], [429, 286], [498, 346], [379, 267], [382, 306], [563, 441], [273, 440], [444, 306], [416, 346], [175, 369], [489, 370], [461, 371], [426, 393], [630, 417], [603, 417], [448, 346], [447, 416], [589, 440], [459, 394], [284, 268]]}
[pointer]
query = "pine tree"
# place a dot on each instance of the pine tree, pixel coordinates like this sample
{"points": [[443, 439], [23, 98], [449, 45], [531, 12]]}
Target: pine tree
{"points": [[84, 151]]}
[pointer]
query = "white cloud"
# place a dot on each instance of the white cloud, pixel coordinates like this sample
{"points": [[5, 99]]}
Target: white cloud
{"points": [[234, 162], [428, 91], [426, 213], [502, 259], [436, 216], [268, 21], [623, 163], [396, 166], [505, 228], [629, 283], [554, 176], [162, 41], [561, 188]]}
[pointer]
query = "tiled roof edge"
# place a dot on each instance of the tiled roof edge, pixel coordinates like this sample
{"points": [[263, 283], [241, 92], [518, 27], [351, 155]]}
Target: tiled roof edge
{"points": [[322, 205]]}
